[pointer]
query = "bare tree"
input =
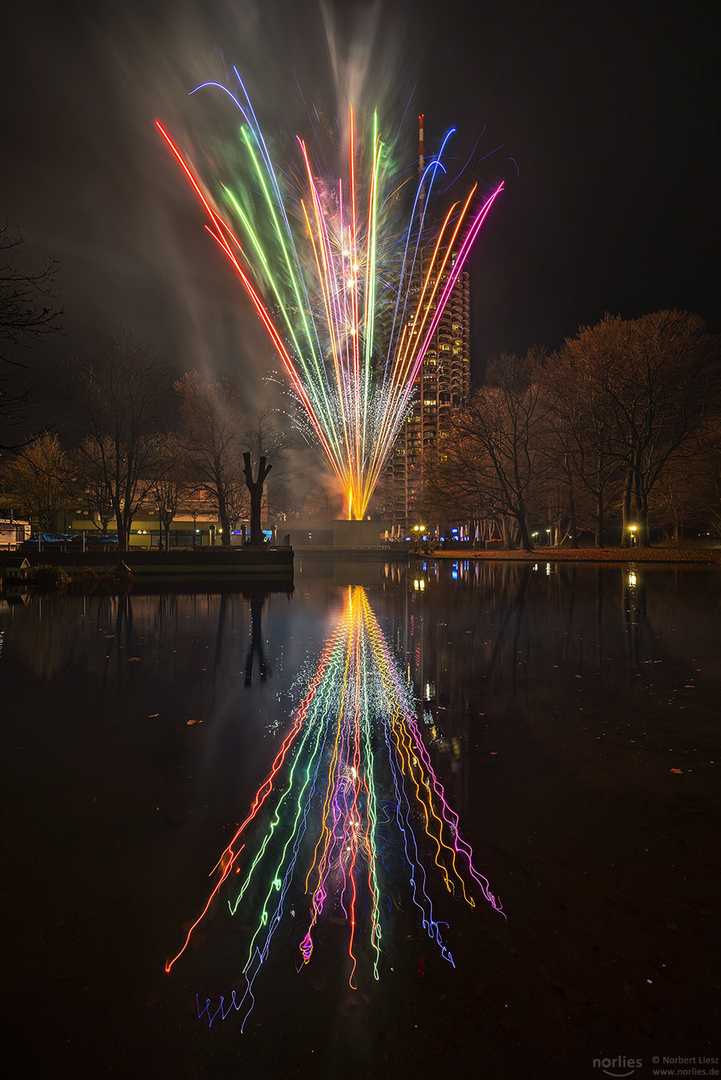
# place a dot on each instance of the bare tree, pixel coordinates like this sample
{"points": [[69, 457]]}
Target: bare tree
{"points": [[172, 483], [213, 429], [255, 489], [264, 437], [582, 434], [492, 462], [710, 486], [323, 503], [675, 371], [456, 483], [631, 394], [687, 491], [39, 481], [26, 314], [117, 398], [91, 480]]}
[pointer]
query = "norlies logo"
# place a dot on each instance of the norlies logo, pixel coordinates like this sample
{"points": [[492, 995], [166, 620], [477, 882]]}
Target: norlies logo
{"points": [[617, 1066]]}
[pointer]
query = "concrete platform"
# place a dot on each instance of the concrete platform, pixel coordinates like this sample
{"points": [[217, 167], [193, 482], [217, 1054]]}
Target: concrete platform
{"points": [[217, 564]]}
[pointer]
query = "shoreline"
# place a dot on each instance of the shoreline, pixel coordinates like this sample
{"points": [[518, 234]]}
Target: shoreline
{"points": [[266, 566], [699, 556]]}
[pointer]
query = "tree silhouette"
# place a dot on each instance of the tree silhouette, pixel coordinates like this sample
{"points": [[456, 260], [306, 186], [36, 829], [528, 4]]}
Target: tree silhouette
{"points": [[26, 314], [255, 488], [213, 427], [117, 396]]}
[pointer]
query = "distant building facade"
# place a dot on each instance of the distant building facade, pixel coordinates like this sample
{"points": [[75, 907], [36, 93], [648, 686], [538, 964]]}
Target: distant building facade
{"points": [[441, 388], [12, 531]]}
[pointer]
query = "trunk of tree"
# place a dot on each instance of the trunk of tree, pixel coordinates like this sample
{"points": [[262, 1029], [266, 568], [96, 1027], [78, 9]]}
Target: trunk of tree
{"points": [[119, 525], [256, 644], [600, 506], [642, 537], [224, 523], [526, 541], [600, 532], [127, 522], [572, 512], [165, 519], [626, 511], [255, 488], [223, 516]]}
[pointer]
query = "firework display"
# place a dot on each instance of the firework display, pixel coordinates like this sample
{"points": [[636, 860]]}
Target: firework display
{"points": [[349, 286], [351, 781]]}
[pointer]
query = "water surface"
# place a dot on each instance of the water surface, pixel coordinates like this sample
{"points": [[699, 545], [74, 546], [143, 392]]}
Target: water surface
{"points": [[571, 720]]}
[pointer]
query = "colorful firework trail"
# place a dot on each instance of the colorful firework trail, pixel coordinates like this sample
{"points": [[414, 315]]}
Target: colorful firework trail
{"points": [[349, 295], [352, 780]]}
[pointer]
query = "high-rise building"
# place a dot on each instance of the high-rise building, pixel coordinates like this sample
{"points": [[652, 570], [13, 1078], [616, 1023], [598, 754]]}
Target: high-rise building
{"points": [[442, 386]]}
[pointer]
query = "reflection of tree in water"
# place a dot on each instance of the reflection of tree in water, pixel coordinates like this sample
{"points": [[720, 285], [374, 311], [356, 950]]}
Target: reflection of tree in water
{"points": [[43, 642], [514, 586], [487, 604], [166, 615], [456, 661], [525, 641], [124, 620], [256, 647], [153, 626], [231, 615], [46, 652]]}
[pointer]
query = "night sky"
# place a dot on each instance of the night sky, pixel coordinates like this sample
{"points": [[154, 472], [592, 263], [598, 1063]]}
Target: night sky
{"points": [[601, 119]]}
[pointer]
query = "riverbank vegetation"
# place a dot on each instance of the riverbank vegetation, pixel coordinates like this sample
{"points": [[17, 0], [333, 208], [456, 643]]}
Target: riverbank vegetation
{"points": [[616, 434]]}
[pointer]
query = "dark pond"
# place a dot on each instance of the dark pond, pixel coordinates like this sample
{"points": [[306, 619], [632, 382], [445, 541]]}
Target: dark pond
{"points": [[568, 716]]}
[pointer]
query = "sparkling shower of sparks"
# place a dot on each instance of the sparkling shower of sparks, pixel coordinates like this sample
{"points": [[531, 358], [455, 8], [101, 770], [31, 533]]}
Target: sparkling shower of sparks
{"points": [[352, 775], [349, 295]]}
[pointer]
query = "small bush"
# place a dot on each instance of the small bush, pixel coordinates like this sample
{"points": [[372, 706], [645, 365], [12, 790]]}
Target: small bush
{"points": [[116, 580], [84, 581], [49, 579]]}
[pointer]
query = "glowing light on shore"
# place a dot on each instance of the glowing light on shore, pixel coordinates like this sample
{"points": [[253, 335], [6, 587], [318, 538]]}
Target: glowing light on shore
{"points": [[349, 291]]}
